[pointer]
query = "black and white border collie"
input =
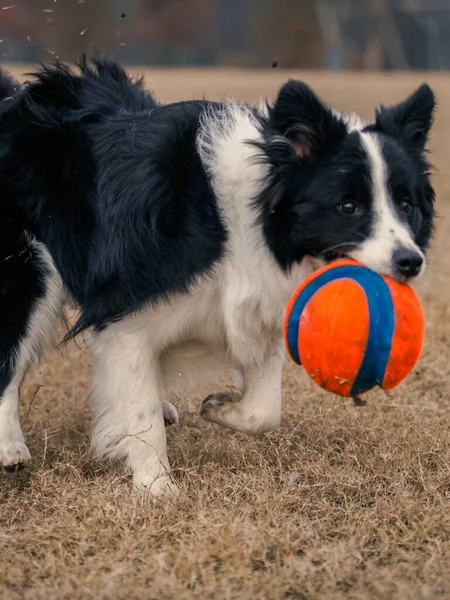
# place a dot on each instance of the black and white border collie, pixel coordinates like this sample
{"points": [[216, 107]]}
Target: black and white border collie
{"points": [[180, 231]]}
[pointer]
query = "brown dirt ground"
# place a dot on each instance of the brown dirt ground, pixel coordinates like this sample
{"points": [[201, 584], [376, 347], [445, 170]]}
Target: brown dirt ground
{"points": [[340, 502]]}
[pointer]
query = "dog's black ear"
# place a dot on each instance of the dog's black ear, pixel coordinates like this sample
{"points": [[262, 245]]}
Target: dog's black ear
{"points": [[299, 115], [411, 120]]}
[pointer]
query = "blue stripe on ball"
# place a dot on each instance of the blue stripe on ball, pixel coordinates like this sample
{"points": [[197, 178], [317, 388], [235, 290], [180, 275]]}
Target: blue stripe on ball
{"points": [[381, 331], [380, 304], [346, 271]]}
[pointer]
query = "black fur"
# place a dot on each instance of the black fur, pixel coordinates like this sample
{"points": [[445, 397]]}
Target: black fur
{"points": [[20, 277], [21, 285], [111, 183]]}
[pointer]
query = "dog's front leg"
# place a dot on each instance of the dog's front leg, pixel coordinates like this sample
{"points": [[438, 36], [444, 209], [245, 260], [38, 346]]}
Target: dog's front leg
{"points": [[258, 408], [129, 406]]}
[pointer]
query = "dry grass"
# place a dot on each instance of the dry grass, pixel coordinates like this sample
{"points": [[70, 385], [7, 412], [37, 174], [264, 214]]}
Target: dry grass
{"points": [[340, 502]]}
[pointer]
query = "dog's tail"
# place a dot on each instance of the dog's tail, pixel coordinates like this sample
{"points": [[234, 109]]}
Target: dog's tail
{"points": [[107, 84], [101, 89]]}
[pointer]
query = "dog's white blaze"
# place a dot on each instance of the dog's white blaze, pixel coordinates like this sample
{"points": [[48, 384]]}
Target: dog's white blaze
{"points": [[389, 233]]}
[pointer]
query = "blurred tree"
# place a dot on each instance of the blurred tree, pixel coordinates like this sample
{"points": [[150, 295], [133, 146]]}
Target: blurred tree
{"points": [[173, 30], [231, 31], [332, 34], [290, 31], [76, 27], [64, 29]]}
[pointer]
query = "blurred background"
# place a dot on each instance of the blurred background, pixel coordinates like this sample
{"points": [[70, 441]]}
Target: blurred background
{"points": [[316, 34]]}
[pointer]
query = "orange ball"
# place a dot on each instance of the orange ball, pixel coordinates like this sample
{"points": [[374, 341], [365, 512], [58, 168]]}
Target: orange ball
{"points": [[353, 329]]}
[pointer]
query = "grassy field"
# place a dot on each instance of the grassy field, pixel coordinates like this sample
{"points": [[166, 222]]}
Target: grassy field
{"points": [[340, 502]]}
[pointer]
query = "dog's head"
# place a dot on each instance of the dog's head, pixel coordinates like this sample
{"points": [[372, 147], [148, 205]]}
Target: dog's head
{"points": [[340, 187]]}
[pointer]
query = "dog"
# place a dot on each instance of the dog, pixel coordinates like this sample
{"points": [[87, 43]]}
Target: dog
{"points": [[180, 231]]}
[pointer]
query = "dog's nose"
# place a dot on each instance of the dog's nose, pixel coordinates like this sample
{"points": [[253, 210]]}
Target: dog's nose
{"points": [[407, 262]]}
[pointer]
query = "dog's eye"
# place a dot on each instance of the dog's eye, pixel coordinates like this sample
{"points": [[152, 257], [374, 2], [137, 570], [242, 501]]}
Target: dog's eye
{"points": [[349, 207], [406, 206]]}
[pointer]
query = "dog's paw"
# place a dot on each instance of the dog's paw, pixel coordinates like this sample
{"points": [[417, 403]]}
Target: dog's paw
{"points": [[217, 401], [14, 455], [158, 487], [229, 410], [170, 413], [218, 405]]}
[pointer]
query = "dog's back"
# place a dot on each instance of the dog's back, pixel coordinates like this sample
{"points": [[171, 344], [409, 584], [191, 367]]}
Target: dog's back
{"points": [[29, 117], [112, 184]]}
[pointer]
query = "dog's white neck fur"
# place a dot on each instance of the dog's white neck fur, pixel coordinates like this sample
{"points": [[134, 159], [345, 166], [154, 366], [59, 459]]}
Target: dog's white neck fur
{"points": [[251, 279]]}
